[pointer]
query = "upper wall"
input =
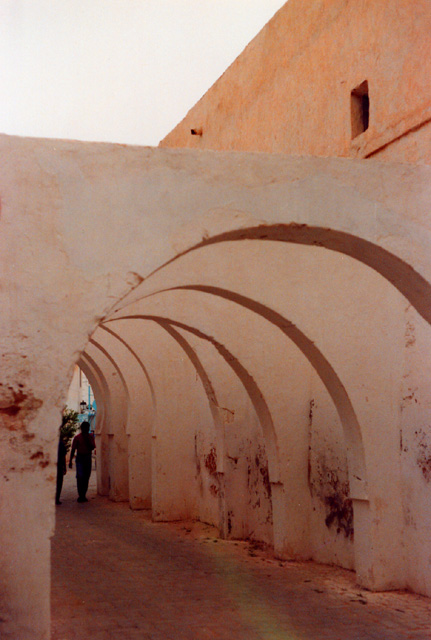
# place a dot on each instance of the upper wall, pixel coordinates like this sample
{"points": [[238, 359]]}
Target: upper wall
{"points": [[290, 91]]}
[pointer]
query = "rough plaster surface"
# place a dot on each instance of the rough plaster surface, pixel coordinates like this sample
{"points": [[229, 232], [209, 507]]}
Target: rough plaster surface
{"points": [[256, 331]]}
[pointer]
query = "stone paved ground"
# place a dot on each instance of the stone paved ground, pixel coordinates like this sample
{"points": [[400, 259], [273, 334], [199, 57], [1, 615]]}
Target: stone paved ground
{"points": [[118, 575]]}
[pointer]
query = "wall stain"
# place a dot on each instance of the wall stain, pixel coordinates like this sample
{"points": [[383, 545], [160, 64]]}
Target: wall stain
{"points": [[210, 461], [261, 464], [310, 426], [259, 485], [340, 510], [229, 522], [214, 490], [43, 460], [17, 408], [14, 401], [409, 398], [409, 334], [334, 493], [198, 462], [423, 458]]}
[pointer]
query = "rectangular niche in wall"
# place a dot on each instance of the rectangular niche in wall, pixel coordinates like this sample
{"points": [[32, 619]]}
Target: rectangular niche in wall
{"points": [[360, 109]]}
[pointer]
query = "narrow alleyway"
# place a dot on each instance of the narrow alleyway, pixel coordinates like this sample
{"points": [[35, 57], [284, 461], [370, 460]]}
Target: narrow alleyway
{"points": [[115, 574]]}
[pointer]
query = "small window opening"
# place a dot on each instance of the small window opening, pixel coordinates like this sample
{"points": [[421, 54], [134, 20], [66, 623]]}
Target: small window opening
{"points": [[360, 109]]}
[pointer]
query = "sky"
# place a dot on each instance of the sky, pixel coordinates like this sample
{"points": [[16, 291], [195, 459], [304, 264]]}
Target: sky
{"points": [[116, 70]]}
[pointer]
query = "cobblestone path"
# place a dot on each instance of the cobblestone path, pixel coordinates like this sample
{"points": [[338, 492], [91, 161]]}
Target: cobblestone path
{"points": [[118, 575]]}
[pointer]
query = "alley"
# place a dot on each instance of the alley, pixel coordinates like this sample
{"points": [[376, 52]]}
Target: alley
{"points": [[115, 574]]}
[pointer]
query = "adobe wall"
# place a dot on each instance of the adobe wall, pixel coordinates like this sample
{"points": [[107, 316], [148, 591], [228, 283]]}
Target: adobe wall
{"points": [[261, 320], [290, 90]]}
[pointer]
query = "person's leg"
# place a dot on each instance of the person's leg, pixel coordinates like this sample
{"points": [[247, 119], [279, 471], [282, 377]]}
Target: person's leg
{"points": [[80, 479], [87, 474], [59, 486]]}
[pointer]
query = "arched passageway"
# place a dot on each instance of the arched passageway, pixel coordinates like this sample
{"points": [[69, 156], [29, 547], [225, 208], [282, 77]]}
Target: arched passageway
{"points": [[262, 379], [349, 423]]}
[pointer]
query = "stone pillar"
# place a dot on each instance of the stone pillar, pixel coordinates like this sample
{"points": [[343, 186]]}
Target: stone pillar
{"points": [[290, 525], [139, 463], [118, 467], [377, 554], [27, 491], [26, 524], [102, 467]]}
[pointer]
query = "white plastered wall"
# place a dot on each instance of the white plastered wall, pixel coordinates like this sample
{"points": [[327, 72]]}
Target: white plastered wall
{"points": [[82, 225]]}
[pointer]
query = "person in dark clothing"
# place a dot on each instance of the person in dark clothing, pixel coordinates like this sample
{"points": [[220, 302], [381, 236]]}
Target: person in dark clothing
{"points": [[61, 468], [83, 444]]}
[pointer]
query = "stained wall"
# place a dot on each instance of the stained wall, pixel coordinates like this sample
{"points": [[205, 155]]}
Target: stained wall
{"points": [[256, 339], [347, 79]]}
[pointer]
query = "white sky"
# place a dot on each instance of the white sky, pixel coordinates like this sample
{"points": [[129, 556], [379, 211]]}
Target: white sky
{"points": [[116, 70]]}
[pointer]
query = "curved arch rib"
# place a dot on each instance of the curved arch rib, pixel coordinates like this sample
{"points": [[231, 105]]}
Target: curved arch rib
{"points": [[414, 287], [329, 377], [253, 391], [135, 355], [114, 364], [200, 370]]}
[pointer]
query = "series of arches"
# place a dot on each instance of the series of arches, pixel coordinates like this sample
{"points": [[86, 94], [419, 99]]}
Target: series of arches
{"points": [[409, 283], [256, 331]]}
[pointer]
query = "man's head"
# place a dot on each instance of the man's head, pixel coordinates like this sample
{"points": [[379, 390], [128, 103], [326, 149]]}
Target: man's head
{"points": [[85, 427]]}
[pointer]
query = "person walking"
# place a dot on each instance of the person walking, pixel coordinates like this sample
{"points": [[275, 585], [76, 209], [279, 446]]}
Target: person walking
{"points": [[83, 444], [61, 467]]}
